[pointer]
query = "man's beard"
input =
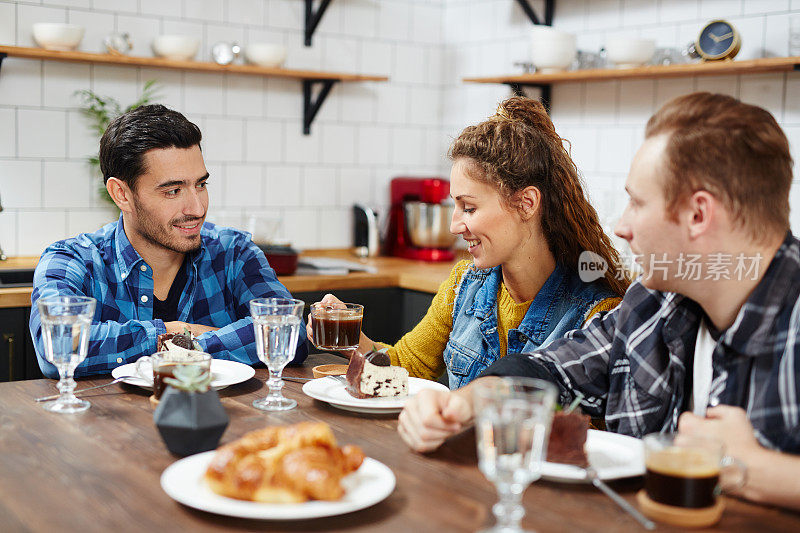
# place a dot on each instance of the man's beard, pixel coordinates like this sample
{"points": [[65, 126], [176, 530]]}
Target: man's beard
{"points": [[155, 234]]}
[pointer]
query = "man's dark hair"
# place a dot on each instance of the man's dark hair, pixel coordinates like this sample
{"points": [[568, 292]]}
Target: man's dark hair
{"points": [[145, 128]]}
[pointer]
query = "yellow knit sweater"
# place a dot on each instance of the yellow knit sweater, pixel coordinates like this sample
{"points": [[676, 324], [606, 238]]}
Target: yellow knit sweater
{"points": [[421, 350]]}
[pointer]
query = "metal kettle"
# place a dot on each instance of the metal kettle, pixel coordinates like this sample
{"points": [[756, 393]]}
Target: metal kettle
{"points": [[365, 232]]}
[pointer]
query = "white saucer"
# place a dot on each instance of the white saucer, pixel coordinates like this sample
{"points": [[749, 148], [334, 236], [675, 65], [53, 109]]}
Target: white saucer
{"points": [[223, 374], [334, 392], [612, 455]]}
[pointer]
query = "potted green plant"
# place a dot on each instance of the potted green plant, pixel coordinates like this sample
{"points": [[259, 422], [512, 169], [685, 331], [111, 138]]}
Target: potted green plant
{"points": [[190, 417], [101, 110]]}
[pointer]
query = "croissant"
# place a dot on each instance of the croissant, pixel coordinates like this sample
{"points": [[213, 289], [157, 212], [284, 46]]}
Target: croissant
{"points": [[283, 464]]}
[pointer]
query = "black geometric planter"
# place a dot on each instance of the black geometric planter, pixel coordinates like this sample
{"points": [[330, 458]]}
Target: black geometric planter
{"points": [[190, 422]]}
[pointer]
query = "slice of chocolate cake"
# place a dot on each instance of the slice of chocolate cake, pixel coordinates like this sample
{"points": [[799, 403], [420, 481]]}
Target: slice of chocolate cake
{"points": [[567, 439], [372, 375], [177, 342]]}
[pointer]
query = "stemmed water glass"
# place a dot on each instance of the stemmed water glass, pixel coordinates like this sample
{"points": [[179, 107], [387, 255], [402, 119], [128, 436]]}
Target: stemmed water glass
{"points": [[512, 424], [277, 327], [66, 321]]}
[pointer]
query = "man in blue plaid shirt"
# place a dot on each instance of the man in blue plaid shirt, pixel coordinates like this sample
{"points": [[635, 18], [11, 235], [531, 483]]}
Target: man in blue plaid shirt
{"points": [[707, 340], [160, 268]]}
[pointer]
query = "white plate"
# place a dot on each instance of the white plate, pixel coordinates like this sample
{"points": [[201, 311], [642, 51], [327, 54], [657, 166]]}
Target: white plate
{"points": [[223, 374], [612, 455], [183, 482], [334, 392]]}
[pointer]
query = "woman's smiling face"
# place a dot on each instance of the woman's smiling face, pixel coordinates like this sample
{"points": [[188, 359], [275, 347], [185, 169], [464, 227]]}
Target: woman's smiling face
{"points": [[493, 230]]}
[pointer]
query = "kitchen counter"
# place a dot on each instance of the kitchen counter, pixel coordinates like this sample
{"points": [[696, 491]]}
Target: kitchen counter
{"points": [[391, 272]]}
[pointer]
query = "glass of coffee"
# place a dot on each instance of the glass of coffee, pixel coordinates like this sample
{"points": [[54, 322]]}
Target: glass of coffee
{"points": [[685, 471], [336, 327], [163, 366]]}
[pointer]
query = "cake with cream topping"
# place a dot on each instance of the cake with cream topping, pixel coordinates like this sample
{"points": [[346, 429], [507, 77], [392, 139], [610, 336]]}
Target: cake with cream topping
{"points": [[372, 375]]}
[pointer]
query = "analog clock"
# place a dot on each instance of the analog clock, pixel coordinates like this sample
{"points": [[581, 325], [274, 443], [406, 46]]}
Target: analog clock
{"points": [[718, 40]]}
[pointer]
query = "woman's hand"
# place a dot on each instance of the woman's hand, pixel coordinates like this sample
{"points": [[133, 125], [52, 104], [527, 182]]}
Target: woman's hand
{"points": [[329, 300], [432, 416]]}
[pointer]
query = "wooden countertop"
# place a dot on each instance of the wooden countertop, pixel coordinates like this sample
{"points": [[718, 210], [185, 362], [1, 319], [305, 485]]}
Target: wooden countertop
{"points": [[392, 272]]}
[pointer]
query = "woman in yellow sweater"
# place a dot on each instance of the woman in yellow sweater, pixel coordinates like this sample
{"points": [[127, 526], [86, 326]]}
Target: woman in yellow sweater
{"points": [[521, 208]]}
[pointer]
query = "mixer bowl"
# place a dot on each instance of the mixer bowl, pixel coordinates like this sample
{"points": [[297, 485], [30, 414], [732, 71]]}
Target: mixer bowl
{"points": [[428, 225]]}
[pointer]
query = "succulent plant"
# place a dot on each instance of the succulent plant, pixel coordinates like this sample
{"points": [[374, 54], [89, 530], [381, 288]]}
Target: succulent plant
{"points": [[190, 378]]}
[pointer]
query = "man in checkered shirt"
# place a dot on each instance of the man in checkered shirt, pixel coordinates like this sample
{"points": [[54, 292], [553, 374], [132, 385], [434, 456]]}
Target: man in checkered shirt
{"points": [[706, 340], [160, 268]]}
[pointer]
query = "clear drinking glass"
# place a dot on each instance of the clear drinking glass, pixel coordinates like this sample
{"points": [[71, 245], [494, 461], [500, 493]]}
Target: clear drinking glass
{"points": [[512, 424], [337, 327], [66, 321], [277, 328]]}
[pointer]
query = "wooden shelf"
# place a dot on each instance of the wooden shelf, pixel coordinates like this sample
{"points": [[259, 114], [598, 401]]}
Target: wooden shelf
{"points": [[310, 78], [717, 68], [197, 66]]}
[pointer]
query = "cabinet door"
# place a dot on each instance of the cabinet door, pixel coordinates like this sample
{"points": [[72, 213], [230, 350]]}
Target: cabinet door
{"points": [[13, 334], [415, 305], [32, 370]]}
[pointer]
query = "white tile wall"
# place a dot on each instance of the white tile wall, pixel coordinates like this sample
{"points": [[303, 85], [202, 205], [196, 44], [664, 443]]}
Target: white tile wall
{"points": [[8, 133], [365, 133], [7, 19], [243, 186], [320, 187], [61, 81], [21, 183], [604, 120], [41, 133], [67, 184]]}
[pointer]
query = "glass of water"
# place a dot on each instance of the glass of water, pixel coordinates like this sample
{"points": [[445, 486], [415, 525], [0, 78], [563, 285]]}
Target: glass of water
{"points": [[277, 326], [66, 321], [512, 424]]}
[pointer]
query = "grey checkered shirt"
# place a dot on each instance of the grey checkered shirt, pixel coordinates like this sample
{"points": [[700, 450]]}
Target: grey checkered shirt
{"points": [[631, 363]]}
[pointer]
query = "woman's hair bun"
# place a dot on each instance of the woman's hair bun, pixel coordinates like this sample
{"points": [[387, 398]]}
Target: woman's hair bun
{"points": [[526, 110]]}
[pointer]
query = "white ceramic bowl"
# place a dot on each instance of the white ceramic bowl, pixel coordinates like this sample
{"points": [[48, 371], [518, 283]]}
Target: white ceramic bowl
{"points": [[176, 47], [628, 52], [57, 35], [265, 54], [551, 49]]}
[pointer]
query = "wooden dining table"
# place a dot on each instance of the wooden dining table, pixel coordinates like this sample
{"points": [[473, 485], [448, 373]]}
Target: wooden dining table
{"points": [[100, 471]]}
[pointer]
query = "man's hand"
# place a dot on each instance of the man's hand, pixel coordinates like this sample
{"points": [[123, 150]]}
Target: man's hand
{"points": [[772, 477], [179, 327], [431, 416], [730, 426], [726, 423]]}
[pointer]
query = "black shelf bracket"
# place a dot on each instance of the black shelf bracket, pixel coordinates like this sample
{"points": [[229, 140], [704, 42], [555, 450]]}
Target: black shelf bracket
{"points": [[549, 6], [3, 55], [310, 105], [313, 17], [545, 88]]}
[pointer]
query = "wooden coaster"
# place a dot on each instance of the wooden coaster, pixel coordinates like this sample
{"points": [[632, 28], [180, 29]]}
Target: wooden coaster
{"points": [[680, 516], [329, 370]]}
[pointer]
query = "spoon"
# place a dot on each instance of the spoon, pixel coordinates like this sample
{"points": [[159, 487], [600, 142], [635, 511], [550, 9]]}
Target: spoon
{"points": [[591, 475], [54, 396], [341, 379]]}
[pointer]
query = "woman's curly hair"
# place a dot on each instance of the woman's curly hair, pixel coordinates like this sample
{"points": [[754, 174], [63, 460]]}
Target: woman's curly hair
{"points": [[518, 147]]}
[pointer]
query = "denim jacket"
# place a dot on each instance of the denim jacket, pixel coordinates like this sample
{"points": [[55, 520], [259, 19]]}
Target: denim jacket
{"points": [[561, 305]]}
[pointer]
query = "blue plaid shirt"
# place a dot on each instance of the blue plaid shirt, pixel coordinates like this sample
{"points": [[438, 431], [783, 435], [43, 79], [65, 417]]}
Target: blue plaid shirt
{"points": [[224, 275], [631, 364]]}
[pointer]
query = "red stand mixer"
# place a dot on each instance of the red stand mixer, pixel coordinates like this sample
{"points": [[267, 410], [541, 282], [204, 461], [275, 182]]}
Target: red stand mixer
{"points": [[419, 220]]}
